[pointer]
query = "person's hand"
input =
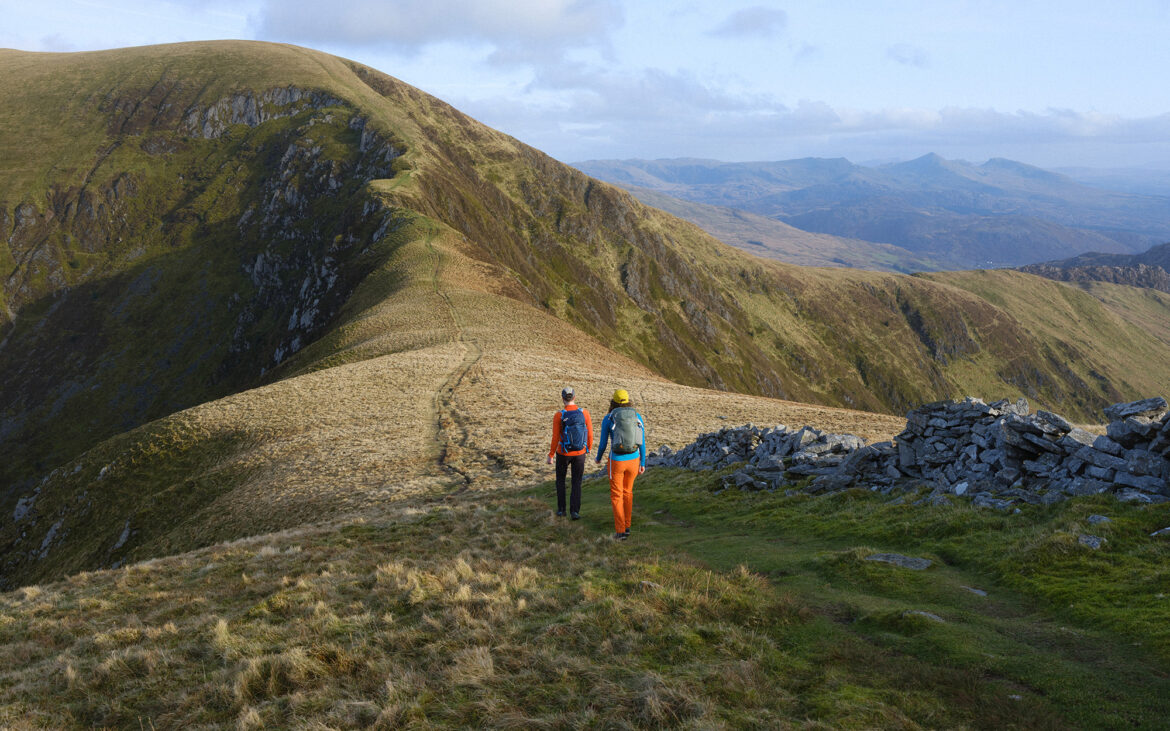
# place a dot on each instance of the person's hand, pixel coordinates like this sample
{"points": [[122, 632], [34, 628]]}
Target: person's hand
{"points": [[550, 460], [597, 461], [641, 469]]}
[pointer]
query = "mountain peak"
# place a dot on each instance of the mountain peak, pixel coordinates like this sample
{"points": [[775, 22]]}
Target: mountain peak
{"points": [[1024, 170]]}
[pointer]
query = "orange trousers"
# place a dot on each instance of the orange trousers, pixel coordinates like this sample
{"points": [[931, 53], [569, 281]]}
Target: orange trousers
{"points": [[621, 492]]}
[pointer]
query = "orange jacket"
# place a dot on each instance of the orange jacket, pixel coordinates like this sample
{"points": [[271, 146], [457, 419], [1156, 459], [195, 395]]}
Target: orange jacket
{"points": [[556, 440]]}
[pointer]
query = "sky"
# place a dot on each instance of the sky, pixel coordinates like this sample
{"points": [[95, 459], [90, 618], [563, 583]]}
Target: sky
{"points": [[1066, 83]]}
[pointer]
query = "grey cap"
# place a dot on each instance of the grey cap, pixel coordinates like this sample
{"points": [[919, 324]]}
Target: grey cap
{"points": [[567, 393]]}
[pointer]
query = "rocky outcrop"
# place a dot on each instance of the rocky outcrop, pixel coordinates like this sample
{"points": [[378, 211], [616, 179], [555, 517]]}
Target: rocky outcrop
{"points": [[998, 454], [253, 109], [1148, 269], [1137, 275]]}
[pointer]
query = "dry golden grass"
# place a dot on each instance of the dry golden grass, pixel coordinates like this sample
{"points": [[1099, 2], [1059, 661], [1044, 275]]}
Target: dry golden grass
{"points": [[480, 612], [465, 395], [446, 382]]}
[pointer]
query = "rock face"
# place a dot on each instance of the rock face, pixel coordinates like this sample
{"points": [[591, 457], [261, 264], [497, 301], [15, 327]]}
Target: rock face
{"points": [[998, 454]]}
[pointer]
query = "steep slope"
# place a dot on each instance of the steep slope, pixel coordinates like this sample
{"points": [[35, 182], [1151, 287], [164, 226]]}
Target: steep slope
{"points": [[314, 237], [770, 238]]}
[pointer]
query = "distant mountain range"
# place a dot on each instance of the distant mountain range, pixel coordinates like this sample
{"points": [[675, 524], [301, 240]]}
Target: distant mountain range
{"points": [[957, 214], [1150, 269], [774, 239]]}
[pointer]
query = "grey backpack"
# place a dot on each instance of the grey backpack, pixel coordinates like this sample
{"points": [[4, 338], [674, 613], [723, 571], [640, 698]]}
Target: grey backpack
{"points": [[627, 432]]}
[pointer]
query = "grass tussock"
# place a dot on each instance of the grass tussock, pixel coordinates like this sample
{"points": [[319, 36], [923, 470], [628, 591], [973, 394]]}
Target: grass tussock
{"points": [[489, 616]]}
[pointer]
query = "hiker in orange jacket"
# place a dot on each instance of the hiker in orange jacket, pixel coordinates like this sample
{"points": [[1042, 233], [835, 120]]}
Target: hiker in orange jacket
{"points": [[624, 429], [572, 439]]}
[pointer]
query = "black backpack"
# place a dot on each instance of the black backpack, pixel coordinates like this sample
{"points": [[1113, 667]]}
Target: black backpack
{"points": [[573, 433]]}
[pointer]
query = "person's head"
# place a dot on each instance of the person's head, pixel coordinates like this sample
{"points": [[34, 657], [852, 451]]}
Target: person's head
{"points": [[621, 398], [567, 395]]}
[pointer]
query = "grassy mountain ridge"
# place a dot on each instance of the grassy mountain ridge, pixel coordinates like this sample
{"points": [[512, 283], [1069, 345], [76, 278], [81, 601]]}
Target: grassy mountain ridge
{"points": [[284, 177]]}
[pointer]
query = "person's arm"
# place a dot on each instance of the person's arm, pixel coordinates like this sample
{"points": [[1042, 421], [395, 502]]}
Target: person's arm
{"points": [[642, 446], [604, 439], [588, 432], [556, 436]]}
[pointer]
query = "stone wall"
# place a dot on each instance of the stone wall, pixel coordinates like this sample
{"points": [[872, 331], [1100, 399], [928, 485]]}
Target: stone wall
{"points": [[999, 454]]}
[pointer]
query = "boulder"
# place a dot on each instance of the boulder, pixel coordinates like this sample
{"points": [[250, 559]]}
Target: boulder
{"points": [[742, 479], [1132, 431], [1077, 438], [1052, 497], [1100, 473], [983, 500], [1093, 542], [1104, 444], [1142, 462], [1151, 407], [1100, 459], [1053, 423], [1045, 444], [1144, 483], [1082, 486]]}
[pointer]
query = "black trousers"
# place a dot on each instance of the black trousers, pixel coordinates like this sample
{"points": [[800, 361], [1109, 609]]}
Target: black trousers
{"points": [[578, 465]]}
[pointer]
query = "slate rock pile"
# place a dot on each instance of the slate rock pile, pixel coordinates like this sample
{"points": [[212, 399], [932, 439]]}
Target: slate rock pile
{"points": [[999, 454], [772, 455], [1001, 448]]}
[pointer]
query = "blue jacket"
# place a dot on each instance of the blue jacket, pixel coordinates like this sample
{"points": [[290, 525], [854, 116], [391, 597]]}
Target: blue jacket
{"points": [[607, 429]]}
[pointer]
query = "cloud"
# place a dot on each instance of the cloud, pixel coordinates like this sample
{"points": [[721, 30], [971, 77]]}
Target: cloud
{"points": [[907, 55], [512, 25], [579, 113], [754, 21], [647, 94]]}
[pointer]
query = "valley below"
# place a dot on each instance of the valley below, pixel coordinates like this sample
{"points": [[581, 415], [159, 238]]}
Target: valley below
{"points": [[281, 344]]}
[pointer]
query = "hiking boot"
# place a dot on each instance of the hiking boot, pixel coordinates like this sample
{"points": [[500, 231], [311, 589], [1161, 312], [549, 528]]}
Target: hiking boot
{"points": [[626, 534], [575, 516], [620, 536], [560, 513]]}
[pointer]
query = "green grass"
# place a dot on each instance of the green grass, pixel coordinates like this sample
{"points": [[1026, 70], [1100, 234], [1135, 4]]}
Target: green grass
{"points": [[1084, 634], [727, 610]]}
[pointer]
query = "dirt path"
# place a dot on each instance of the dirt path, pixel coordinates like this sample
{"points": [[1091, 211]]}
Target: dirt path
{"points": [[451, 436]]}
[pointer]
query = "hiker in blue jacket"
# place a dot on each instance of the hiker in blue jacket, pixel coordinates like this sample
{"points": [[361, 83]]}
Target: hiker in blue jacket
{"points": [[625, 432]]}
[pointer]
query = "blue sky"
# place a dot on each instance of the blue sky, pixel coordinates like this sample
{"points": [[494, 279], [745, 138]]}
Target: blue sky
{"points": [[1051, 83]]}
